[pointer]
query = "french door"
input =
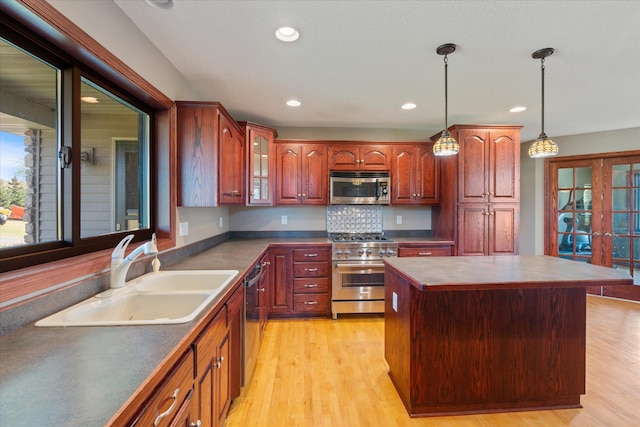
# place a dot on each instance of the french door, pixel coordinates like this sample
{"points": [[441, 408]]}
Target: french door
{"points": [[593, 214]]}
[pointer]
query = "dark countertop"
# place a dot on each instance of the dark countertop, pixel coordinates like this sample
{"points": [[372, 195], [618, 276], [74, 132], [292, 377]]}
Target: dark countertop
{"points": [[82, 376], [503, 272]]}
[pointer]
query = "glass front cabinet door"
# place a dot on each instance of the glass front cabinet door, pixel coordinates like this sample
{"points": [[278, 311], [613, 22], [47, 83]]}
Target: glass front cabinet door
{"points": [[261, 162]]}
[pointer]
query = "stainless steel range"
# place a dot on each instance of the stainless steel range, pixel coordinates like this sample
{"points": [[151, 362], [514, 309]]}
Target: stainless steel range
{"points": [[358, 272]]}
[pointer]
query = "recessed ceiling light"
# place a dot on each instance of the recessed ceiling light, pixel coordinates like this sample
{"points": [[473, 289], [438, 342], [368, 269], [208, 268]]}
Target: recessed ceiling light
{"points": [[293, 103], [287, 34], [160, 4], [89, 99], [408, 106], [517, 109]]}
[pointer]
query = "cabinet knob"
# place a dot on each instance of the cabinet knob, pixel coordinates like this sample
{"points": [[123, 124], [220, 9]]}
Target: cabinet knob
{"points": [[261, 289], [196, 424], [304, 195], [414, 194], [596, 234]]}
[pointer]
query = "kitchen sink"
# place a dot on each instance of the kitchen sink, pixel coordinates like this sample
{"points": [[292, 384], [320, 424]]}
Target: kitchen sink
{"points": [[185, 280], [153, 299]]}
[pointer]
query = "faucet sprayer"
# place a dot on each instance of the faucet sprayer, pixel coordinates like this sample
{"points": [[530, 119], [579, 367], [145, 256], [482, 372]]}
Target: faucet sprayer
{"points": [[120, 264]]}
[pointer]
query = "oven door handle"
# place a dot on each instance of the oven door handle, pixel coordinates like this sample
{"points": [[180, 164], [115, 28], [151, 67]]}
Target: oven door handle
{"points": [[377, 189], [359, 266]]}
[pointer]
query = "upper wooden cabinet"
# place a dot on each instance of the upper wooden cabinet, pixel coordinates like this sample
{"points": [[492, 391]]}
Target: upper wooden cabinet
{"points": [[489, 169], [211, 152], [348, 156], [260, 164], [301, 174], [415, 174]]}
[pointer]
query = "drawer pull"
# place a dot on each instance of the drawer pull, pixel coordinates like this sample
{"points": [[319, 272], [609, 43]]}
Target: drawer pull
{"points": [[168, 411], [310, 285], [310, 302], [311, 255], [310, 269], [425, 253]]}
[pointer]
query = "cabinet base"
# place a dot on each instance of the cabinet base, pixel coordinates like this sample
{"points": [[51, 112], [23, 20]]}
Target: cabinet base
{"points": [[356, 306]]}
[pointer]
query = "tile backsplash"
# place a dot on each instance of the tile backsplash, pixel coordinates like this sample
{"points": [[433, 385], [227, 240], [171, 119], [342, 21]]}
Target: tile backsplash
{"points": [[354, 219]]}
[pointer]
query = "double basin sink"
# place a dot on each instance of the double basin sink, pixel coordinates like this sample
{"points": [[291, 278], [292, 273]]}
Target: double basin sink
{"points": [[164, 297]]}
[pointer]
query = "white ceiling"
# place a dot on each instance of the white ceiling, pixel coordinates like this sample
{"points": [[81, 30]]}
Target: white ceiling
{"points": [[357, 62]]}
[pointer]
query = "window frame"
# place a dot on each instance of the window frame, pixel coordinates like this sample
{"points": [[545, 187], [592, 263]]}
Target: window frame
{"points": [[72, 69]]}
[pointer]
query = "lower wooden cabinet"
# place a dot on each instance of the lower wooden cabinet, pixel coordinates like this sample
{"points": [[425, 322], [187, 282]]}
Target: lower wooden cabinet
{"points": [[488, 229], [301, 281], [172, 403]]}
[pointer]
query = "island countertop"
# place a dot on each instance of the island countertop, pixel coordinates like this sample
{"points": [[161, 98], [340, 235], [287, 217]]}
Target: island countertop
{"points": [[502, 272]]}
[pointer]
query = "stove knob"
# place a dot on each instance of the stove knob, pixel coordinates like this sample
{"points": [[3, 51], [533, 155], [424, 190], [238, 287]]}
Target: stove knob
{"points": [[347, 252], [369, 251], [391, 252], [382, 252], [360, 251], [339, 252]]}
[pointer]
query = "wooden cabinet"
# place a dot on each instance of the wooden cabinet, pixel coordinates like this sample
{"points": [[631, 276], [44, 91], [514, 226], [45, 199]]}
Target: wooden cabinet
{"points": [[301, 281], [281, 291], [171, 404], [301, 174], [235, 315], [480, 191], [350, 156], [260, 164], [415, 175], [311, 280], [426, 249], [211, 152], [212, 368], [264, 287]]}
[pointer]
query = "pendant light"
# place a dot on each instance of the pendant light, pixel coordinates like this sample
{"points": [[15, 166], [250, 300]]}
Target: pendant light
{"points": [[446, 145], [543, 146]]}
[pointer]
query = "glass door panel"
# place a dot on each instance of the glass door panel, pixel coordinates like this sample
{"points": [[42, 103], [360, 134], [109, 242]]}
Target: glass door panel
{"points": [[574, 215]]}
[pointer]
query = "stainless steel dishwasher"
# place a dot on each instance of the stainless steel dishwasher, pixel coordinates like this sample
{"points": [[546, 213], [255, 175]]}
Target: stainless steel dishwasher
{"points": [[252, 337]]}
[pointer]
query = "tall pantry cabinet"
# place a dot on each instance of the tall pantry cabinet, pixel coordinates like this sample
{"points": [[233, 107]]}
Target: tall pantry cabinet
{"points": [[480, 191]]}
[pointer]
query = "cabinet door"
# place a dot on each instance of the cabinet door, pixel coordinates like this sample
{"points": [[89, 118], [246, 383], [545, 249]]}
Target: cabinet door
{"points": [[221, 380], [281, 293], [473, 169], [504, 177], [344, 158], [375, 157], [260, 174], [314, 174], [197, 153], [473, 232], [231, 163], [427, 175], [235, 311], [264, 287], [403, 175], [288, 175], [504, 223]]}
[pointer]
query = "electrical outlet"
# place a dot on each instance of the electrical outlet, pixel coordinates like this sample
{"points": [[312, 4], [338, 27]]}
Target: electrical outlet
{"points": [[220, 222], [399, 219], [283, 220], [184, 229]]}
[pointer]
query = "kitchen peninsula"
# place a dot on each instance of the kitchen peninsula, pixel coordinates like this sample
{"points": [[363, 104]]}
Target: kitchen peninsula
{"points": [[488, 334]]}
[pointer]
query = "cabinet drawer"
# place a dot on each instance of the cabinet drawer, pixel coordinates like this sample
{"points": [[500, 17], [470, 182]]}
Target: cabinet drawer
{"points": [[311, 269], [425, 251], [167, 400], [311, 254], [311, 303], [311, 285]]}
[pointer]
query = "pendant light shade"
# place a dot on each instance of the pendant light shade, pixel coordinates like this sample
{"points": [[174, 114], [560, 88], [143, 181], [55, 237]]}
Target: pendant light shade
{"points": [[446, 145], [542, 146]]}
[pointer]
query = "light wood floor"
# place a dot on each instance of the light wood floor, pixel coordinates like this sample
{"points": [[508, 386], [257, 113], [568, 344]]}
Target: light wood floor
{"points": [[323, 372]]}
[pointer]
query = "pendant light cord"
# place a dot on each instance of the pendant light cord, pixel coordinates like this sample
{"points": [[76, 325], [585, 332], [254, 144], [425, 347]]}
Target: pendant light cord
{"points": [[542, 69], [446, 94]]}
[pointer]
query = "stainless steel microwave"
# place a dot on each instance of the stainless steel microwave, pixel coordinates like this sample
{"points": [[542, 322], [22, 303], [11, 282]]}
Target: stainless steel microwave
{"points": [[359, 188]]}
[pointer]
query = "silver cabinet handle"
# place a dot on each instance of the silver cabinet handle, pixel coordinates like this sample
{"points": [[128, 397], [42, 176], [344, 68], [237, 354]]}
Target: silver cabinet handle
{"points": [[218, 364], [596, 234], [310, 285], [261, 289], [266, 263], [196, 424], [425, 253], [311, 302], [311, 255], [310, 269], [608, 235], [168, 411]]}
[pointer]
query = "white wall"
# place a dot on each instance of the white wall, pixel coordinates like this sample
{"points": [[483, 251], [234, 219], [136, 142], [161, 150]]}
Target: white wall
{"points": [[532, 178]]}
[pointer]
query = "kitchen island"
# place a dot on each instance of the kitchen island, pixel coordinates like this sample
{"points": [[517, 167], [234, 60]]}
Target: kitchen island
{"points": [[488, 334]]}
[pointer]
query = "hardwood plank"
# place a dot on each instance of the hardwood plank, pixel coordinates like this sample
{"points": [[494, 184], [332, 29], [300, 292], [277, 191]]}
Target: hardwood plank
{"points": [[323, 372]]}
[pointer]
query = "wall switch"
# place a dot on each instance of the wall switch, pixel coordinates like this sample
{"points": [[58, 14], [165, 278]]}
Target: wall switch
{"points": [[394, 302], [399, 219], [220, 222], [283, 220], [184, 229]]}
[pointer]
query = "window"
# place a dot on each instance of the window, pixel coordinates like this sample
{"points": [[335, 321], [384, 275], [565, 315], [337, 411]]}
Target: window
{"points": [[75, 170]]}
